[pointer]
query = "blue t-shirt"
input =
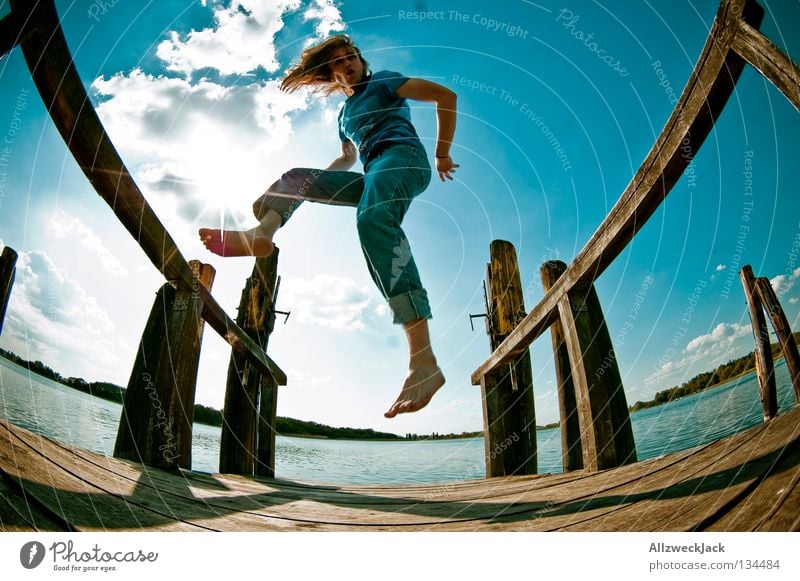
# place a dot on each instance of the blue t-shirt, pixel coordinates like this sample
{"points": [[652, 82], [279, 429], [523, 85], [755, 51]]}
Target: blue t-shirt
{"points": [[376, 115]]}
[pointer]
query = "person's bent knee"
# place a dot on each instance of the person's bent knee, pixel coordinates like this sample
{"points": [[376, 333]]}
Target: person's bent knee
{"points": [[259, 208], [294, 175], [372, 220]]}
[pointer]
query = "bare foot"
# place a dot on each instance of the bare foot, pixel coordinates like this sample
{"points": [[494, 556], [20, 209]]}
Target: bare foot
{"points": [[418, 389], [236, 242]]}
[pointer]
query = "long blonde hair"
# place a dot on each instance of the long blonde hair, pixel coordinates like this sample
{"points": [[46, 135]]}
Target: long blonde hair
{"points": [[314, 67]]}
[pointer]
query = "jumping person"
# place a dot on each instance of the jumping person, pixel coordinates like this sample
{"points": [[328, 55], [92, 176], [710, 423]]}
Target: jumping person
{"points": [[375, 119]]}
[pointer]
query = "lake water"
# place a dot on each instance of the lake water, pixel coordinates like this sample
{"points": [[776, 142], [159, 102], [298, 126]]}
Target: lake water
{"points": [[49, 408]]}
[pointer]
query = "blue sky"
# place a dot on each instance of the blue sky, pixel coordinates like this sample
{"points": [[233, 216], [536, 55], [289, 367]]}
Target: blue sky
{"points": [[549, 134]]}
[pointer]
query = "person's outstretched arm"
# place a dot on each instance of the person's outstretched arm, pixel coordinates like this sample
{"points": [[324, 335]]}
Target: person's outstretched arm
{"points": [[347, 159], [445, 99]]}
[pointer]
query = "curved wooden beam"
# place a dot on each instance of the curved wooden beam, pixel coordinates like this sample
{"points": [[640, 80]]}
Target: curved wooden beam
{"points": [[704, 97], [769, 60]]}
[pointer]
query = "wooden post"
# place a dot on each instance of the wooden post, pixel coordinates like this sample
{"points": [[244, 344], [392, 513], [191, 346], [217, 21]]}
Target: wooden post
{"points": [[267, 419], [765, 370], [606, 433], [248, 434], [158, 411], [571, 450], [509, 415], [783, 330], [8, 271]]}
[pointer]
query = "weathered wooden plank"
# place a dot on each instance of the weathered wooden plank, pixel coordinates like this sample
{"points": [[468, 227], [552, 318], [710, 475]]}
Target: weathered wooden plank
{"points": [[163, 493], [703, 99], [684, 499], [784, 331], [774, 504], [571, 451], [72, 499], [224, 509], [602, 410], [345, 510], [674, 499], [669, 484], [158, 411], [267, 270], [267, 424], [739, 481], [769, 60], [617, 492], [765, 369], [655, 497], [17, 514], [785, 515], [546, 509], [606, 493], [509, 414], [242, 418], [8, 260], [62, 91]]}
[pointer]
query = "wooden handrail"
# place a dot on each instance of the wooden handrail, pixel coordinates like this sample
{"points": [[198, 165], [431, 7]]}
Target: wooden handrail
{"points": [[705, 95], [769, 60], [60, 87]]}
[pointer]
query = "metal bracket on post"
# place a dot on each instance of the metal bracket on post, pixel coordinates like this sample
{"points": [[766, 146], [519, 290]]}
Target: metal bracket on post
{"points": [[273, 311], [471, 326], [486, 314]]}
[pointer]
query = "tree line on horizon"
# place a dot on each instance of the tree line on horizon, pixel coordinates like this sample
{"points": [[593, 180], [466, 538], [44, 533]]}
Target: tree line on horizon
{"points": [[293, 427], [722, 374]]}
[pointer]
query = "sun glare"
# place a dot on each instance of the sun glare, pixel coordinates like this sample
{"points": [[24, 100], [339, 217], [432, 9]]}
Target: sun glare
{"points": [[223, 172]]}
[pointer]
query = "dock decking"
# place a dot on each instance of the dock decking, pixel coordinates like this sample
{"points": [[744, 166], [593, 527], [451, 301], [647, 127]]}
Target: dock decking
{"points": [[746, 482]]}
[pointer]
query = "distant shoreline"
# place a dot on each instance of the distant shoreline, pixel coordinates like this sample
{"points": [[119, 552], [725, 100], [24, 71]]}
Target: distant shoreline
{"points": [[209, 416], [294, 428]]}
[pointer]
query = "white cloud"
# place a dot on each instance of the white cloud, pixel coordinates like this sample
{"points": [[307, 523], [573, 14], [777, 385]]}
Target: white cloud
{"points": [[297, 378], [783, 283], [329, 301], [241, 40], [200, 145], [719, 339], [715, 344], [329, 16], [64, 226], [205, 149], [720, 267], [52, 318]]}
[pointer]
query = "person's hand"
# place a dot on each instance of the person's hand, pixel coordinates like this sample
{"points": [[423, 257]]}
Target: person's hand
{"points": [[445, 167]]}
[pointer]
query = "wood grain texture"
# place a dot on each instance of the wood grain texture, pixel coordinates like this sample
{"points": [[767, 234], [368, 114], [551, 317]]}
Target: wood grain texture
{"points": [[743, 482], [509, 414], [783, 330], [8, 261], [769, 60], [244, 426], [158, 410], [765, 368], [571, 451]]}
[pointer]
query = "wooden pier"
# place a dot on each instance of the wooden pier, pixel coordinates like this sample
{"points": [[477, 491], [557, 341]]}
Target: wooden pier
{"points": [[746, 482]]}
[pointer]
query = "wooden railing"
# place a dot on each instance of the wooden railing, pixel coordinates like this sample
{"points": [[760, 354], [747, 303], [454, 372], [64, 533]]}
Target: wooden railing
{"points": [[183, 304], [732, 42]]}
